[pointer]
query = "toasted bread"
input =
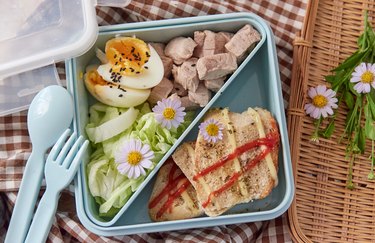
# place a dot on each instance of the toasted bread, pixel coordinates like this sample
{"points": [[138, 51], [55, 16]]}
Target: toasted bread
{"points": [[171, 184], [250, 175]]}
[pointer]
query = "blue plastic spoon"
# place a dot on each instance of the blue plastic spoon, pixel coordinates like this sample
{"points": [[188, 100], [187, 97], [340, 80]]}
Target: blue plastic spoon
{"points": [[49, 115]]}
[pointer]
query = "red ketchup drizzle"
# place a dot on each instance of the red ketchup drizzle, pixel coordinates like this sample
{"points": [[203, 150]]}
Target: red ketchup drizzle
{"points": [[270, 142], [167, 190]]}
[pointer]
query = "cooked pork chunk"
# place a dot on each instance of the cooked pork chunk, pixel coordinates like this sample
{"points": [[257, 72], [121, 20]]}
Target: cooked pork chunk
{"points": [[243, 40], [186, 74], [159, 48], [179, 90], [160, 91], [216, 66], [210, 43], [201, 96], [180, 49], [214, 84], [168, 65], [185, 102]]}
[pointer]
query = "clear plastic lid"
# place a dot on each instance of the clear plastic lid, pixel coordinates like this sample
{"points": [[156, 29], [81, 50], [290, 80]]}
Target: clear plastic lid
{"points": [[36, 33]]}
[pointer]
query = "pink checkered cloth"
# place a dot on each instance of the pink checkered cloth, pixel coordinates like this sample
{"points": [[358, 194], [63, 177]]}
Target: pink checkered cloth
{"points": [[284, 16]]}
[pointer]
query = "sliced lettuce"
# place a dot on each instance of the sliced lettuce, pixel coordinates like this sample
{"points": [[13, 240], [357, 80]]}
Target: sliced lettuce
{"points": [[110, 188], [109, 123]]}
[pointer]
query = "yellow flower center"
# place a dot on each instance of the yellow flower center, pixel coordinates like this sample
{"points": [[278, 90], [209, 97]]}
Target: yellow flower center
{"points": [[134, 158], [367, 77], [212, 130], [169, 113], [320, 101]]}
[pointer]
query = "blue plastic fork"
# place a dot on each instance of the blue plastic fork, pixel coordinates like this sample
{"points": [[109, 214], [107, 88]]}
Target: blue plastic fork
{"points": [[62, 164]]}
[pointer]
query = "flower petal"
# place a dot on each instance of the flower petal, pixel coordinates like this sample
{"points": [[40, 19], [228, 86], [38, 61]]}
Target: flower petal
{"points": [[312, 92], [355, 79], [146, 163], [137, 172], [316, 113], [321, 89]]}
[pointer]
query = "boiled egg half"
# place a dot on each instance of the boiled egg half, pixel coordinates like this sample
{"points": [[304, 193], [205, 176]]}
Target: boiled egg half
{"points": [[132, 63]]}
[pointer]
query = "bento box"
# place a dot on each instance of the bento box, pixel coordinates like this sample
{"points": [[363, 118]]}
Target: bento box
{"points": [[256, 82]]}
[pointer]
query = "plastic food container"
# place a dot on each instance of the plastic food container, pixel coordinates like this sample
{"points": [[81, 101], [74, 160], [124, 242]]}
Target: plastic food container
{"points": [[34, 35], [255, 83]]}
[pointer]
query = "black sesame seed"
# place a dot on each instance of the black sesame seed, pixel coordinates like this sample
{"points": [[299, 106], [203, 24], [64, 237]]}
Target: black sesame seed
{"points": [[115, 56], [119, 112], [130, 59], [146, 67], [193, 65], [110, 70], [110, 86], [137, 72], [120, 95], [116, 63], [89, 114]]}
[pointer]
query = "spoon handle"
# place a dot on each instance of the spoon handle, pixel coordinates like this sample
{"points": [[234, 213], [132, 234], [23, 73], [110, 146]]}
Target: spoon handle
{"points": [[26, 198]]}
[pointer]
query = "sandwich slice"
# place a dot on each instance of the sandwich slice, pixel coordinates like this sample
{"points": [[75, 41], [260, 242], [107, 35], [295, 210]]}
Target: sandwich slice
{"points": [[238, 168], [173, 197]]}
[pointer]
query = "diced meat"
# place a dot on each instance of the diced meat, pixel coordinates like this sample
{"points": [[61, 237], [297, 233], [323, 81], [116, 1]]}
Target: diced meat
{"points": [[186, 74], [216, 66], [210, 43], [180, 49], [159, 48], [185, 102], [199, 37], [214, 84], [188, 104], [160, 91], [222, 38], [168, 65], [201, 96], [179, 90], [243, 40]]}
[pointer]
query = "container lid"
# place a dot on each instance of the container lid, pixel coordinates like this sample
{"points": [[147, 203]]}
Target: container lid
{"points": [[36, 33]]}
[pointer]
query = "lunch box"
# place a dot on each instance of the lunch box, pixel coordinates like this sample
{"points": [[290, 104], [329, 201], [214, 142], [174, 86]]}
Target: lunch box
{"points": [[256, 83]]}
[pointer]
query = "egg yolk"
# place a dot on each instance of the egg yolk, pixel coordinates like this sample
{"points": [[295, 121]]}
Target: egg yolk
{"points": [[128, 55]]}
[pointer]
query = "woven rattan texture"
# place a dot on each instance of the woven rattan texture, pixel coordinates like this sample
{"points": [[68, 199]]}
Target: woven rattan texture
{"points": [[323, 209]]}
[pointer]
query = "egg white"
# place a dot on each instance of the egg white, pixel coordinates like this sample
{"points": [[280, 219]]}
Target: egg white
{"points": [[116, 94], [147, 79]]}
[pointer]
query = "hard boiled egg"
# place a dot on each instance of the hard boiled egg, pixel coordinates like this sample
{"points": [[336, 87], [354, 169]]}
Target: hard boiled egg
{"points": [[132, 64], [111, 93]]}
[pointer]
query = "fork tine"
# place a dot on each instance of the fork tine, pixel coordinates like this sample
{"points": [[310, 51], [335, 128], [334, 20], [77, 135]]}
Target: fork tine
{"points": [[58, 145], [78, 156], [70, 156], [66, 148]]}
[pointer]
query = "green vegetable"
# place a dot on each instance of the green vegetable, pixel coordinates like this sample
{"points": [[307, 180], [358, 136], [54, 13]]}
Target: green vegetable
{"points": [[110, 188], [109, 122], [361, 106]]}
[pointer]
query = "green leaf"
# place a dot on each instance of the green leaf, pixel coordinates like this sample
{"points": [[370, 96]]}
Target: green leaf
{"points": [[351, 61], [361, 140], [369, 124], [349, 99], [327, 133], [371, 107], [330, 78]]}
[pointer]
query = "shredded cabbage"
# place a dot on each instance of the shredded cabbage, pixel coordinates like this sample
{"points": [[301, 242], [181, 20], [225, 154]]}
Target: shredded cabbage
{"points": [[110, 188]]}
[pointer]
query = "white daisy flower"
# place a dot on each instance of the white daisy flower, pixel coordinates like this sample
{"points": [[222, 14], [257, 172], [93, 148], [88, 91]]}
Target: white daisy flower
{"points": [[133, 157], [211, 130], [323, 100], [169, 112], [364, 76]]}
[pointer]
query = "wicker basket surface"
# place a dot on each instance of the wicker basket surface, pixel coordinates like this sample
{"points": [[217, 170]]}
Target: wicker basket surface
{"points": [[323, 209]]}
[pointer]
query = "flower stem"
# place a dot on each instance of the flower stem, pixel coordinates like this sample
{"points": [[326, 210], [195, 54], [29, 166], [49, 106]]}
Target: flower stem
{"points": [[371, 175], [349, 183]]}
